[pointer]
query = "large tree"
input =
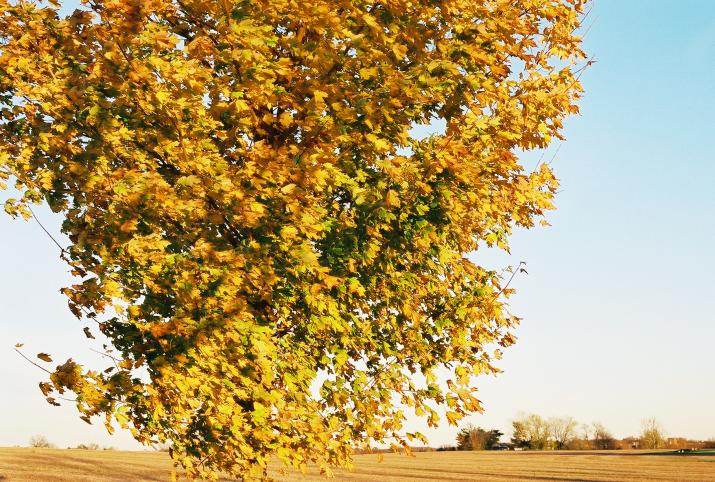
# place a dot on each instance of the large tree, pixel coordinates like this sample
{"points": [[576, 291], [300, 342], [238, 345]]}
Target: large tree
{"points": [[477, 438], [652, 434], [275, 254], [532, 432], [562, 431]]}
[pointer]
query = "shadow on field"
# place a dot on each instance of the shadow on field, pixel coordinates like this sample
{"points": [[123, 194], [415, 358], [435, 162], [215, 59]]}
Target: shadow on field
{"points": [[686, 453], [536, 477], [620, 453], [470, 474], [73, 463]]}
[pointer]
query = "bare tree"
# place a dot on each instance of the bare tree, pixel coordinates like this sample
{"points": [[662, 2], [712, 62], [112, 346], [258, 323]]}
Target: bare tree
{"points": [[586, 431], [531, 431], [40, 442], [582, 439], [602, 437], [562, 431], [652, 434], [89, 446]]}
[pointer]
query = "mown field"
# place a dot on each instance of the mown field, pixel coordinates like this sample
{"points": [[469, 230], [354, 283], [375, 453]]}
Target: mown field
{"points": [[55, 465]]}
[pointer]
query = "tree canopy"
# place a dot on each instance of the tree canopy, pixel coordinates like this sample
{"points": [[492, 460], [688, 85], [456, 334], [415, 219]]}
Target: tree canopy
{"points": [[532, 432], [477, 438], [275, 254]]}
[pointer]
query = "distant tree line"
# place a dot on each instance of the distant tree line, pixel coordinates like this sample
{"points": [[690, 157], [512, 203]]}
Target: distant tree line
{"points": [[41, 442], [533, 432]]}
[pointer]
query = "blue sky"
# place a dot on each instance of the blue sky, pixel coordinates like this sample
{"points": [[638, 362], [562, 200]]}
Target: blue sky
{"points": [[619, 302]]}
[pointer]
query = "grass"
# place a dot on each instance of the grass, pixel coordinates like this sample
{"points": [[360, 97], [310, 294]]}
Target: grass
{"points": [[55, 465]]}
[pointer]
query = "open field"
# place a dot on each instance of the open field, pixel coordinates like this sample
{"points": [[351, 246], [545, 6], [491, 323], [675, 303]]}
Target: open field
{"points": [[56, 465]]}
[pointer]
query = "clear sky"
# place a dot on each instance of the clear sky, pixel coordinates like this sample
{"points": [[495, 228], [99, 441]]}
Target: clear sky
{"points": [[619, 302]]}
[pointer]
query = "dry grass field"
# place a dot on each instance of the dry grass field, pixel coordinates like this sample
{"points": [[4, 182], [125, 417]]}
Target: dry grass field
{"points": [[54, 465]]}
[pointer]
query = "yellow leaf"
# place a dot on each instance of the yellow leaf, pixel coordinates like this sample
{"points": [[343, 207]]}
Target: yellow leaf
{"points": [[319, 96], [399, 50], [368, 73], [162, 96], [392, 199], [288, 188], [453, 417], [285, 119], [44, 357]]}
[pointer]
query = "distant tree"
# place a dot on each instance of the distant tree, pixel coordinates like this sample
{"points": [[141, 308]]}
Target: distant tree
{"points": [[531, 431], [477, 438], [602, 438], [678, 443], [709, 443], [652, 434], [447, 448], [89, 446], [464, 438], [519, 438], [562, 431], [40, 442], [586, 431], [494, 437], [580, 443], [582, 438]]}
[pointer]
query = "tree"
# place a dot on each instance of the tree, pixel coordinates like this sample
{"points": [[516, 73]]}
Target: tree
{"points": [[40, 442], [250, 213], [89, 446], [652, 434], [477, 438], [677, 443], [602, 437], [582, 438], [562, 431], [531, 431]]}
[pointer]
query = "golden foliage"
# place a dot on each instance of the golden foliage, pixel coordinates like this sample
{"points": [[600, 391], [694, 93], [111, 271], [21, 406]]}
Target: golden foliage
{"points": [[255, 225]]}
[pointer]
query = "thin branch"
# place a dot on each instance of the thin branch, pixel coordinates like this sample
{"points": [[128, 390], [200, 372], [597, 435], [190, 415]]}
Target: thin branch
{"points": [[114, 360], [517, 270], [558, 148], [584, 18], [62, 250], [105, 354], [32, 362]]}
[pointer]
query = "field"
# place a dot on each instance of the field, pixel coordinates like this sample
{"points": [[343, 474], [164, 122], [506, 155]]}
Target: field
{"points": [[54, 465]]}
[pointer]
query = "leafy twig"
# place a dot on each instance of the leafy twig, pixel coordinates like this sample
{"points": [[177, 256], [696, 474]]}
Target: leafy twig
{"points": [[32, 362]]}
